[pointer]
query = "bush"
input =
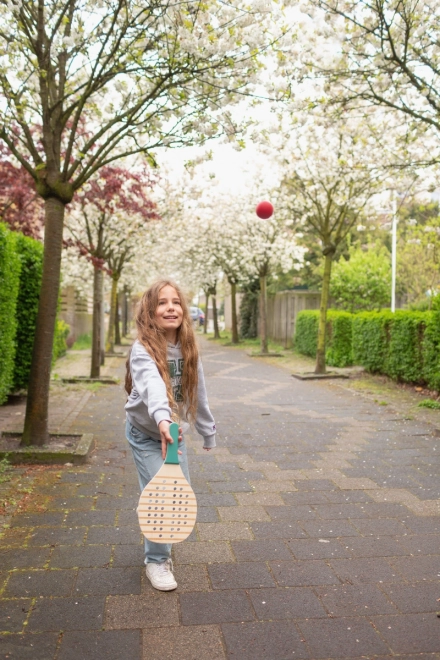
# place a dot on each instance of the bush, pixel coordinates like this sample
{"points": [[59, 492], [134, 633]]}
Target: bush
{"points": [[249, 308], [404, 345], [338, 336], [30, 253], [306, 332], [339, 339], [9, 278], [62, 330]]}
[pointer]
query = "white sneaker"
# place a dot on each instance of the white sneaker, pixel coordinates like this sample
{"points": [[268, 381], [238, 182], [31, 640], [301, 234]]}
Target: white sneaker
{"points": [[161, 576]]}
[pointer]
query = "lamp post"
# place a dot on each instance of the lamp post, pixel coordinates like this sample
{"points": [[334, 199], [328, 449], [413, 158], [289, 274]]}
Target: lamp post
{"points": [[394, 255]]}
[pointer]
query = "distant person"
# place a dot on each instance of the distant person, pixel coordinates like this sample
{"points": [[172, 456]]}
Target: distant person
{"points": [[164, 383]]}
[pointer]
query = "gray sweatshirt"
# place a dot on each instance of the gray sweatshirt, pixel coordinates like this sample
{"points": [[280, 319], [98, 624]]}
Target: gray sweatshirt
{"points": [[148, 405]]}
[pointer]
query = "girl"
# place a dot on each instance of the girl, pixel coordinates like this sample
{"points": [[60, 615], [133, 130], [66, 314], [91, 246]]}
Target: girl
{"points": [[164, 381]]}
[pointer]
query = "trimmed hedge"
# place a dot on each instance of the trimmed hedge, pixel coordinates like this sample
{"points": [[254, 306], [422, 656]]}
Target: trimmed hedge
{"points": [[30, 252], [338, 337], [404, 345], [9, 278], [21, 267]]}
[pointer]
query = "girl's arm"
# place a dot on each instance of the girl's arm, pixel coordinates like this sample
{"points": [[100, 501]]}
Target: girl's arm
{"points": [[205, 424], [148, 383]]}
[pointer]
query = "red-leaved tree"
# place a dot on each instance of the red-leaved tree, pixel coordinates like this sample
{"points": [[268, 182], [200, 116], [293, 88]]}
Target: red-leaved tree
{"points": [[106, 223]]}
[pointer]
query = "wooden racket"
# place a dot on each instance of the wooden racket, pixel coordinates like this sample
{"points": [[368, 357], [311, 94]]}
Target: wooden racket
{"points": [[167, 507]]}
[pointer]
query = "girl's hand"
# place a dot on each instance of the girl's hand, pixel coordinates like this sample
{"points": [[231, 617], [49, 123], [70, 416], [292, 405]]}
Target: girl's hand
{"points": [[165, 437]]}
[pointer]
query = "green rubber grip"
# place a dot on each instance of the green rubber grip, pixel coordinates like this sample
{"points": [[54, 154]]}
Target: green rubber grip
{"points": [[172, 455]]}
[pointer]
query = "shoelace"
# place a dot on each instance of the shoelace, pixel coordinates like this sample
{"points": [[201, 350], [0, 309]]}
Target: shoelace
{"points": [[166, 567]]}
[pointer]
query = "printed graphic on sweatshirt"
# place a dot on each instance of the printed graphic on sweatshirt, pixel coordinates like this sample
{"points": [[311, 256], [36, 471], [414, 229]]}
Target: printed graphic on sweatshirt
{"points": [[175, 367]]}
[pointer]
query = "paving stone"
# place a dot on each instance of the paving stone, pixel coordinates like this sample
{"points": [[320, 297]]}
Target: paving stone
{"points": [[422, 544], [409, 633], [29, 646], [189, 578], [215, 607], [246, 575], [373, 546], [183, 643], [317, 548], [101, 645], [354, 600], [40, 583], [246, 513], [303, 573], [230, 486], [352, 495], [283, 530], [71, 556], [52, 614], [263, 486], [380, 527], [341, 511], [307, 498], [329, 529], [24, 558], [416, 597], [291, 513], [425, 525], [265, 499], [124, 534], [36, 519], [207, 514], [145, 611], [57, 536], [261, 550], [342, 638], [128, 555], [315, 484], [217, 499], [95, 581], [14, 538], [223, 531], [90, 518], [365, 570], [202, 552], [287, 603], [70, 504], [418, 568], [13, 614], [263, 640]]}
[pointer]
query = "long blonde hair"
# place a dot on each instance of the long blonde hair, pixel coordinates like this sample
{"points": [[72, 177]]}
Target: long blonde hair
{"points": [[153, 338]]}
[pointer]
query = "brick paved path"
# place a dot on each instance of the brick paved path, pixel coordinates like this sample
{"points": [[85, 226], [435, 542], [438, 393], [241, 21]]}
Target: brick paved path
{"points": [[318, 536]]}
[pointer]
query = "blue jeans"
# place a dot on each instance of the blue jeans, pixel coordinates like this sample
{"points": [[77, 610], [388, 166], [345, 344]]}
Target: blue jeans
{"points": [[147, 454]]}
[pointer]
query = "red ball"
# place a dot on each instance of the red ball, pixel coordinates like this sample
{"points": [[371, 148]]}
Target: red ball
{"points": [[264, 210]]}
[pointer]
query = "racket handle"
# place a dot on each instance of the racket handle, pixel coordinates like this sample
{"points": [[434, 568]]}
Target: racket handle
{"points": [[172, 455]]}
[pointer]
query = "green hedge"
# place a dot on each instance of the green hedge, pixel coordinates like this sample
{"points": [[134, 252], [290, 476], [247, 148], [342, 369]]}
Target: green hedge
{"points": [[338, 338], [21, 265], [9, 278], [404, 345], [30, 252]]}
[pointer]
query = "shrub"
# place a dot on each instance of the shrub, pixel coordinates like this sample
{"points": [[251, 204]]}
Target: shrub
{"points": [[404, 345], [30, 253], [62, 330], [338, 336], [9, 278], [339, 351], [306, 332]]}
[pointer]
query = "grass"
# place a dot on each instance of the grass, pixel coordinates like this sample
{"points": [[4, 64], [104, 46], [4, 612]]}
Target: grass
{"points": [[429, 403], [82, 342], [5, 470]]}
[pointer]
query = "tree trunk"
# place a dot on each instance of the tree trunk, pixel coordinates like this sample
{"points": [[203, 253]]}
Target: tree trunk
{"points": [[110, 345], [263, 312], [234, 312], [117, 321], [215, 317], [125, 313], [205, 325], [320, 352], [98, 279], [36, 430]]}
